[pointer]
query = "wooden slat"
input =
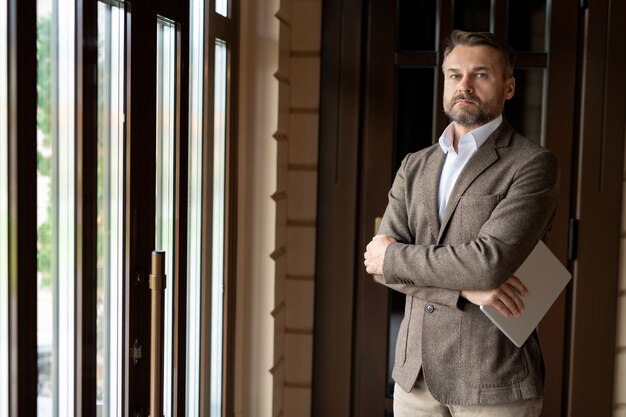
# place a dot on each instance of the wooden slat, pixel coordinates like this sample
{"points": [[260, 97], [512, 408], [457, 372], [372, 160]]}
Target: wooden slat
{"points": [[22, 121], [86, 207]]}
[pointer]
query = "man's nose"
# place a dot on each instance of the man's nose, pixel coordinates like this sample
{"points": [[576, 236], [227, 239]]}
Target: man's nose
{"points": [[465, 85]]}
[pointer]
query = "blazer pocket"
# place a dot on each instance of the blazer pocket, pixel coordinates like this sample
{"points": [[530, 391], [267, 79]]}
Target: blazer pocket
{"points": [[487, 357], [474, 211], [403, 333]]}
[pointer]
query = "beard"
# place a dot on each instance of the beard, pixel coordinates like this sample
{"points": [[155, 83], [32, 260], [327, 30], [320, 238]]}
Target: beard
{"points": [[473, 115]]}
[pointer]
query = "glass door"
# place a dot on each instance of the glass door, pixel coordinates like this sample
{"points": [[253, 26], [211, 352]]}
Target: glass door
{"points": [[153, 129], [109, 149]]}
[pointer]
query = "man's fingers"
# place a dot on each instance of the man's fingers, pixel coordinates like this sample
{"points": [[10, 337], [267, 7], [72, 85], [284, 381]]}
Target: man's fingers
{"points": [[518, 285], [512, 299], [502, 308], [508, 296]]}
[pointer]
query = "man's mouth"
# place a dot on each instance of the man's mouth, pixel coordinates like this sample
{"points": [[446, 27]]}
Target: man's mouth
{"points": [[465, 100]]}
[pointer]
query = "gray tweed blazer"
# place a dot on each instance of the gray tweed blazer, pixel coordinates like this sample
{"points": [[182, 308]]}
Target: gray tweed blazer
{"points": [[501, 205]]}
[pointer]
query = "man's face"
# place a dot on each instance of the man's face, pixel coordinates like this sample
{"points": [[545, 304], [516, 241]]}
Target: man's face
{"points": [[475, 87]]}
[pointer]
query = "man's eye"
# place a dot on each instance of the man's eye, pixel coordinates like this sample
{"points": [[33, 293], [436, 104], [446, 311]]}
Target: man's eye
{"points": [[481, 75], [455, 76]]}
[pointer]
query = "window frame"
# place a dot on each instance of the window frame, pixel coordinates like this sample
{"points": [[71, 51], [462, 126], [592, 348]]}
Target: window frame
{"points": [[22, 151], [225, 29]]}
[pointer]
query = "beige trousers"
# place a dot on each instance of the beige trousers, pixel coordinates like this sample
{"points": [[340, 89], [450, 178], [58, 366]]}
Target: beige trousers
{"points": [[420, 403]]}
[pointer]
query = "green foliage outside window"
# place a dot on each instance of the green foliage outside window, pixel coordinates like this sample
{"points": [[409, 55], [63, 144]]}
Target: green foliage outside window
{"points": [[45, 249]]}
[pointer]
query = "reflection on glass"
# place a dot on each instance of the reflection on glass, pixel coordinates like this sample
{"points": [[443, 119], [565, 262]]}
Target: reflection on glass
{"points": [[165, 131], [219, 197], [527, 25], [4, 219], [55, 207], [525, 110], [417, 25], [472, 15], [194, 228], [414, 118], [110, 182], [221, 7]]}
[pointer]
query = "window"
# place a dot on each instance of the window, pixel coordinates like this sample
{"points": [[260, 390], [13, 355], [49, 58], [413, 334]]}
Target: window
{"points": [[101, 117], [207, 291], [55, 207], [165, 197], [110, 215], [194, 229], [219, 217], [221, 7]]}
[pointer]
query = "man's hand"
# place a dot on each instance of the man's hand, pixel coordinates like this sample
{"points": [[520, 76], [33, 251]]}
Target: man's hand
{"points": [[375, 254], [506, 298]]}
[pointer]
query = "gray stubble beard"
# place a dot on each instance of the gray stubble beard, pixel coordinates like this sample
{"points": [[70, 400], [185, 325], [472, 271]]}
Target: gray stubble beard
{"points": [[477, 117]]}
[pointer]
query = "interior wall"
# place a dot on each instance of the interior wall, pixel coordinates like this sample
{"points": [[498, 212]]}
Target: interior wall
{"points": [[256, 217], [277, 191], [304, 26]]}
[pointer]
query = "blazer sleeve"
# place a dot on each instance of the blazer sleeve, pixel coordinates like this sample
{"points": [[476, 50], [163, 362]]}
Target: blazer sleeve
{"points": [[516, 224], [395, 224]]}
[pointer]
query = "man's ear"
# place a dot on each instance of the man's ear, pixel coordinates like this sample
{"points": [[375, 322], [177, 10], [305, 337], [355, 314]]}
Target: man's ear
{"points": [[509, 88]]}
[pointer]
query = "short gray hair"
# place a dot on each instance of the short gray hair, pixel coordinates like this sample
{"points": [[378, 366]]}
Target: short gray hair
{"points": [[460, 38]]}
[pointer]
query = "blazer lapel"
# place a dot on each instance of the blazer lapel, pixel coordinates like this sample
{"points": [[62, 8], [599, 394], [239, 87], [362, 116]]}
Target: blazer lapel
{"points": [[429, 189], [485, 156]]}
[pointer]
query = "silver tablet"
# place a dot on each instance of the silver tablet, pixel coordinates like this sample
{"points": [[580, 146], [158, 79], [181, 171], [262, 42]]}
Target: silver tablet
{"points": [[545, 277]]}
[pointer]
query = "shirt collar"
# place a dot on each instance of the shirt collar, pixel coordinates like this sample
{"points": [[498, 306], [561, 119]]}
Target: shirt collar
{"points": [[479, 135]]}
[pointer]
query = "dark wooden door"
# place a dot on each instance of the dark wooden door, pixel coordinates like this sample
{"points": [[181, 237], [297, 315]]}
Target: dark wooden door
{"points": [[403, 113]]}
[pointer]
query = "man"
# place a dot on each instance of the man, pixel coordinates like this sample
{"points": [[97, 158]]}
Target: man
{"points": [[462, 216]]}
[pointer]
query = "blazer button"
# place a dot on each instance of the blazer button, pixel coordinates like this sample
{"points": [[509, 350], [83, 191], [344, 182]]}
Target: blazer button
{"points": [[430, 308]]}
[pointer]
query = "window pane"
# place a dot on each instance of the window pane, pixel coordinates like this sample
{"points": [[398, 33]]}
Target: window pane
{"points": [[194, 228], [55, 206], [219, 196], [414, 118], [166, 110], [527, 25], [4, 219], [525, 110], [221, 7], [110, 234], [417, 25], [472, 15]]}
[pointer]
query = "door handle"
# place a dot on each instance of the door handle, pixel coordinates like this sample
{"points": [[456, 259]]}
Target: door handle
{"points": [[157, 291]]}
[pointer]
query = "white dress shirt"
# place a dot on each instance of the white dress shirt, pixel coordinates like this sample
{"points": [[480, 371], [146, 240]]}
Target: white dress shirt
{"points": [[455, 162]]}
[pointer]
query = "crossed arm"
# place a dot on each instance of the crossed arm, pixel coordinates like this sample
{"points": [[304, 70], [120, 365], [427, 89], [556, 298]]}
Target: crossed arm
{"points": [[507, 298], [480, 270]]}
